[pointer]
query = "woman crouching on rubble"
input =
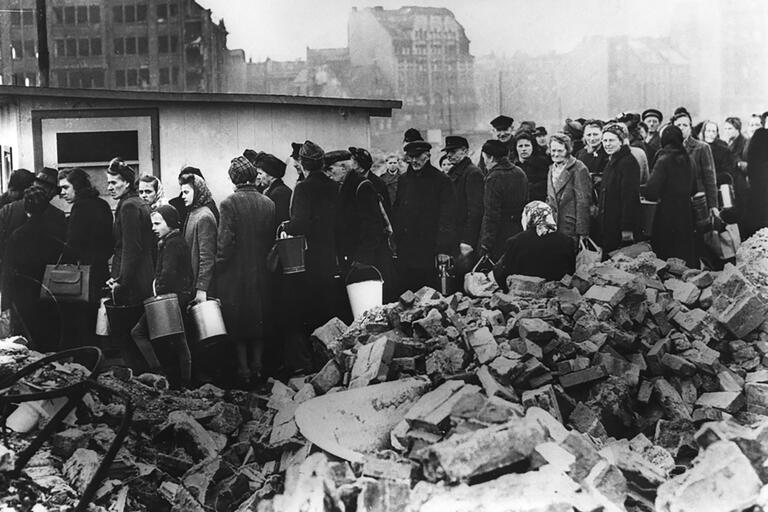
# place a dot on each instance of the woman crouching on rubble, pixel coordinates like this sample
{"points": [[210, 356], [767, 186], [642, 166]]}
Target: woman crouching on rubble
{"points": [[539, 251]]}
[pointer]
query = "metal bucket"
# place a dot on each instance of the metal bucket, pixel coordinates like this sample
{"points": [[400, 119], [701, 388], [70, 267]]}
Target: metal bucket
{"points": [[163, 316], [290, 251], [726, 196], [647, 214], [208, 319], [122, 318]]}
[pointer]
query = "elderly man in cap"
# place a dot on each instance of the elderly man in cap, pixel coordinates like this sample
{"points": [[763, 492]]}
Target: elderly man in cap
{"points": [[652, 119], [506, 194], [12, 215], [271, 171], [502, 129], [424, 223], [467, 182]]}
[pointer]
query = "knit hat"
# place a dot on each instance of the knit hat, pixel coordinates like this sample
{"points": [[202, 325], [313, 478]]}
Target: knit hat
{"points": [[311, 151], [362, 157], [618, 129], [271, 165], [241, 170], [495, 148], [170, 215]]}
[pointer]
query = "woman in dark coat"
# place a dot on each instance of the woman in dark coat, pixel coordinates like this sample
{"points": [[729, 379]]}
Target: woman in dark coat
{"points": [[756, 214], [30, 248], [737, 145], [539, 251], [246, 233], [671, 184], [724, 160], [199, 232], [271, 171], [620, 192], [506, 193], [89, 242], [533, 164]]}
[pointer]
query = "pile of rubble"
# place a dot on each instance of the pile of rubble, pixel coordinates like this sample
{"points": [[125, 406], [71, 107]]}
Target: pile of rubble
{"points": [[636, 384]]}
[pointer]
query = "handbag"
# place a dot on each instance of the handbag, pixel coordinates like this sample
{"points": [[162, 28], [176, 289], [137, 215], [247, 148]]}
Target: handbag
{"points": [[477, 283], [589, 254], [66, 283]]}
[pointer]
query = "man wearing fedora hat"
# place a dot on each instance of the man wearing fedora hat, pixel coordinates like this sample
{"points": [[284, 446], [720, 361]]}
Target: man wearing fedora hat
{"points": [[12, 216], [467, 181], [425, 230]]}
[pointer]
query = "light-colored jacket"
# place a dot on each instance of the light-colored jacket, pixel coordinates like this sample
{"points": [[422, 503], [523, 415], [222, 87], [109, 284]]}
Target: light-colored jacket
{"points": [[570, 197]]}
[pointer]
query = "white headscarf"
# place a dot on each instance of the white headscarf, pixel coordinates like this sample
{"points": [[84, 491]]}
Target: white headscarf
{"points": [[539, 215]]}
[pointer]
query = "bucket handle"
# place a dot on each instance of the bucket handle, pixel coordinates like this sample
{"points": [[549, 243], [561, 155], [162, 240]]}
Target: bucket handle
{"points": [[360, 266]]}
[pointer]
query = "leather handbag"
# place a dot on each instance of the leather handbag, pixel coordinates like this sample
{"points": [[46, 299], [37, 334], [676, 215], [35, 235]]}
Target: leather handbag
{"points": [[66, 283]]}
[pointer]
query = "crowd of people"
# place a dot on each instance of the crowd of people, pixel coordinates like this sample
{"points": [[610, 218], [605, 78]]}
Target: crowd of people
{"points": [[527, 205]]}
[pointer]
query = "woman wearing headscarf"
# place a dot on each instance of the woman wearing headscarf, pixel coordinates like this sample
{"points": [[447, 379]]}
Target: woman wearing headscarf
{"points": [[620, 191], [89, 242], [756, 213], [671, 184], [200, 233], [246, 233], [30, 248], [539, 251], [534, 164], [737, 145], [569, 188], [178, 201], [724, 161], [151, 191]]}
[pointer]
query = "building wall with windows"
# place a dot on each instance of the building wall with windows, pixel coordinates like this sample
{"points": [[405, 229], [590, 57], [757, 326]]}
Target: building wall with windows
{"points": [[165, 45]]}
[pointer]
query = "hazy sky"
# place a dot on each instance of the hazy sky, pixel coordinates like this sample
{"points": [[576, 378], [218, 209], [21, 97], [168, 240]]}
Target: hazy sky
{"points": [[282, 29]]}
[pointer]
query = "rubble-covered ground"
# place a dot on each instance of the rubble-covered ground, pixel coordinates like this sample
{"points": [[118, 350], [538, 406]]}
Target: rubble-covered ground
{"points": [[636, 384]]}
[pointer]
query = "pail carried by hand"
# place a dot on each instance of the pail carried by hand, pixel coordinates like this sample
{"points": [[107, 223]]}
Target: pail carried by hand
{"points": [[290, 250], [208, 319], [163, 316], [364, 292]]}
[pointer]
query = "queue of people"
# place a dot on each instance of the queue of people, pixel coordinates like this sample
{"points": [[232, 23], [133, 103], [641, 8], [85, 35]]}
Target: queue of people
{"points": [[527, 204]]}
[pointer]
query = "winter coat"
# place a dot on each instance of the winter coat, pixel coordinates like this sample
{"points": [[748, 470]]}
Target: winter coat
{"points": [[381, 190], [173, 270], [571, 197], [724, 160], [313, 214], [200, 236], [620, 198], [280, 194], [670, 184], [178, 203], [652, 146], [390, 181], [549, 256], [89, 237], [642, 161], [511, 155], [468, 186], [12, 217], [506, 194], [246, 233], [424, 220], [594, 160], [703, 165], [738, 150], [535, 169], [132, 264]]}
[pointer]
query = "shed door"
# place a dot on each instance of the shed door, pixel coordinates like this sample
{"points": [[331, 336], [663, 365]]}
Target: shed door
{"points": [[90, 143]]}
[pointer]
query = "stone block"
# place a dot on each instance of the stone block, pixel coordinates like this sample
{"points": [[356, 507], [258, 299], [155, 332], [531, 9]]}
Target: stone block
{"points": [[526, 348], [493, 387], [685, 293], [728, 401], [585, 420], [619, 367], [328, 335], [730, 380], [506, 368], [504, 302], [676, 365], [483, 344], [701, 278], [526, 286], [430, 326], [656, 354], [543, 398], [757, 397], [612, 295], [536, 330], [583, 376], [671, 401], [328, 377], [573, 365], [447, 361], [372, 362]]}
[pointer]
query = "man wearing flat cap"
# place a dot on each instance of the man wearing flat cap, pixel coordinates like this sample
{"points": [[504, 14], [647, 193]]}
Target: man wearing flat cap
{"points": [[270, 175], [467, 181], [652, 119], [423, 219], [506, 194], [12, 216], [502, 129]]}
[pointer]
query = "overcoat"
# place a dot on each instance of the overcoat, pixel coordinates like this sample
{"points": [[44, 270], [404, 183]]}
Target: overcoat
{"points": [[200, 236], [506, 194], [620, 198], [570, 197], [132, 264]]}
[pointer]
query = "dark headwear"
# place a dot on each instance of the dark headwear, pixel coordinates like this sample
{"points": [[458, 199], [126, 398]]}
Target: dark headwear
{"points": [[241, 170], [529, 136], [311, 151], [47, 177], [672, 136], [495, 148], [630, 119], [119, 168], [21, 179], [336, 156], [573, 129], [455, 142], [190, 170], [652, 112], [271, 165], [735, 122], [416, 147], [540, 131], [36, 200], [253, 156], [170, 215], [502, 122], [295, 148], [528, 125], [681, 112], [362, 157], [411, 135], [757, 154], [618, 129]]}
